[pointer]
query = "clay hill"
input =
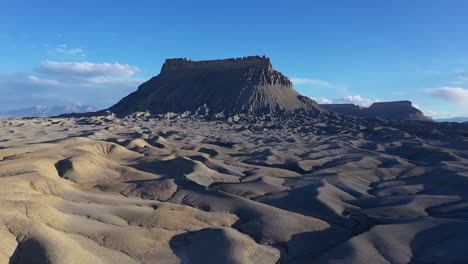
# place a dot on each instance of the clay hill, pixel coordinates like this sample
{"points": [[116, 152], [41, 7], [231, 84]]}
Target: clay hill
{"points": [[229, 87], [399, 110]]}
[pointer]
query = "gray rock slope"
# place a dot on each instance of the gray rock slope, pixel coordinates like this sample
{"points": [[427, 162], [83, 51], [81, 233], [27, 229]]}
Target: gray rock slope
{"points": [[227, 87]]}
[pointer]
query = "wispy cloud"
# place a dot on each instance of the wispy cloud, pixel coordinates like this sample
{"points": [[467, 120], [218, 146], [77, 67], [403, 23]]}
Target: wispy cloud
{"points": [[437, 114], [72, 70], [450, 72], [456, 95], [66, 50], [351, 99], [460, 80], [299, 81]]}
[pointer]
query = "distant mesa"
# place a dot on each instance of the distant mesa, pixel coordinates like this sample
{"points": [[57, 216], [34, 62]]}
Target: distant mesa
{"points": [[224, 88], [398, 110], [247, 86]]}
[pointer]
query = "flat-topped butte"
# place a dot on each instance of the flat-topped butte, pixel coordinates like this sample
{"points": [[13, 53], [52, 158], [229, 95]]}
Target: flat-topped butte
{"points": [[182, 64]]}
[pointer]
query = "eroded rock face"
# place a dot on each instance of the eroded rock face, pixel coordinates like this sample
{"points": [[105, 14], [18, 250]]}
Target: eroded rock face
{"points": [[227, 88], [399, 110]]}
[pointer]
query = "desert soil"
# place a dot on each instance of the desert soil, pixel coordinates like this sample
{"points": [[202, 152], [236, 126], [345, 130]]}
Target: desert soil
{"points": [[108, 190]]}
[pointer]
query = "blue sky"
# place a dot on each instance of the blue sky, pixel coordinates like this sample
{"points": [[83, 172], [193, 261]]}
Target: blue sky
{"points": [[96, 52]]}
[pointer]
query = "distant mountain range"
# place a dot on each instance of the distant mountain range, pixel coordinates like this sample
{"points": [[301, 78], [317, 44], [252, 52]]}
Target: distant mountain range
{"points": [[46, 110], [454, 119]]}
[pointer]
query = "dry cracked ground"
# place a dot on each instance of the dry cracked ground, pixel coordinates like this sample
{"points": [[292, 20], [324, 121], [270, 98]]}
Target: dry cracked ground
{"points": [[107, 190]]}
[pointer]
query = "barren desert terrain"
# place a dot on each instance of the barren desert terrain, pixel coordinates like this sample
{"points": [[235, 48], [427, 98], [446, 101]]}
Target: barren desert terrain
{"points": [[185, 190]]}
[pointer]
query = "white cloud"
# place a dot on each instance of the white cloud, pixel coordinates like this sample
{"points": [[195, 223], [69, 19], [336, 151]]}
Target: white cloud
{"points": [[98, 81], [86, 74], [322, 100], [453, 94], [357, 99], [57, 83], [437, 114], [310, 81], [35, 80], [85, 69], [64, 49], [351, 99]]}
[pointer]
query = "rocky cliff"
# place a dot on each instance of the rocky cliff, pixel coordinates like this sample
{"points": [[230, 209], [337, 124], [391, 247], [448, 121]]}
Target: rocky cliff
{"points": [[398, 110], [248, 86]]}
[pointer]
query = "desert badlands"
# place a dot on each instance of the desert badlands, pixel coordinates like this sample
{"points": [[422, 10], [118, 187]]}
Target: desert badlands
{"points": [[224, 162]]}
